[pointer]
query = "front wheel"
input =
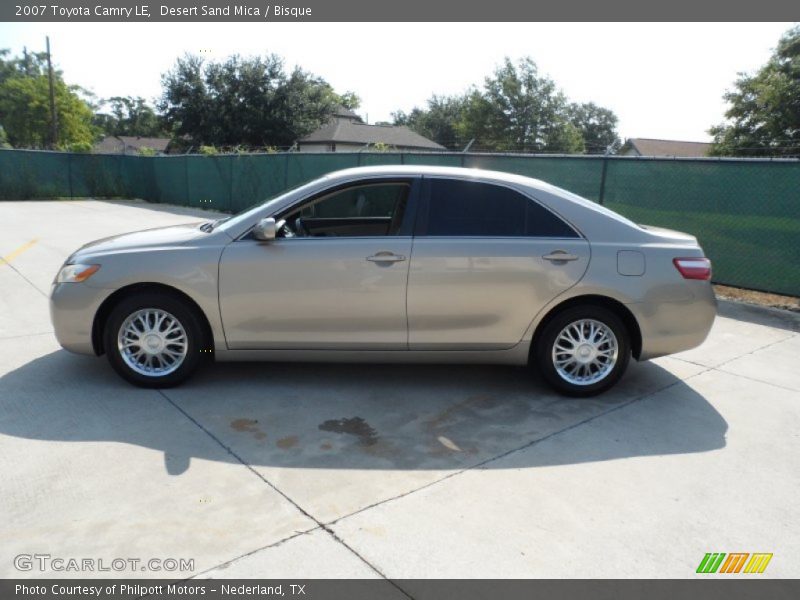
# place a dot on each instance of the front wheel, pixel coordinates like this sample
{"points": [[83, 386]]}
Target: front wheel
{"points": [[153, 340], [583, 351]]}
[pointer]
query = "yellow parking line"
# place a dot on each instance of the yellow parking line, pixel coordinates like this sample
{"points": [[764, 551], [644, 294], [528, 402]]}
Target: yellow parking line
{"points": [[9, 257]]}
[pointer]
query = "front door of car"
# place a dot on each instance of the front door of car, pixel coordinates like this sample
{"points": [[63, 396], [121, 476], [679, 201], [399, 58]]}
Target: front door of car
{"points": [[334, 278], [486, 259]]}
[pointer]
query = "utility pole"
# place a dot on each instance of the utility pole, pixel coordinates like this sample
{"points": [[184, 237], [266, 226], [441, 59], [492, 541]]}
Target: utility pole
{"points": [[53, 116]]}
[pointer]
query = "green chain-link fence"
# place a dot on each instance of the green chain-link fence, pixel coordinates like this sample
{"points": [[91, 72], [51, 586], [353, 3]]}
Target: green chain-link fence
{"points": [[746, 213]]}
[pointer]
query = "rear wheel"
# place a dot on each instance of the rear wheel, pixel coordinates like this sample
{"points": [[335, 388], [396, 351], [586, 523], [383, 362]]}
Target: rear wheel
{"points": [[583, 351], [153, 339]]}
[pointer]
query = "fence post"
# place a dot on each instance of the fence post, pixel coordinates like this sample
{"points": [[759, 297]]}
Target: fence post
{"points": [[118, 188], [230, 186], [69, 175], [603, 180]]}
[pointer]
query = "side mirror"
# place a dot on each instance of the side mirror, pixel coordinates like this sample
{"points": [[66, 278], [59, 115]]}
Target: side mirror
{"points": [[265, 230]]}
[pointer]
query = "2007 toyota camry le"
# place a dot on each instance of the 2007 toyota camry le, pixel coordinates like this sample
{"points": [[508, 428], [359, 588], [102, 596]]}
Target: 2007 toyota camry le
{"points": [[398, 263]]}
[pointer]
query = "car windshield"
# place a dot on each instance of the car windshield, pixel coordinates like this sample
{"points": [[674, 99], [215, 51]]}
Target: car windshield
{"points": [[250, 211]]}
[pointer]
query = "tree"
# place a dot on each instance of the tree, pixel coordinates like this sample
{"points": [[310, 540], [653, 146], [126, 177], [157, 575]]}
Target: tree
{"points": [[350, 100], [442, 121], [129, 116], [249, 102], [25, 104], [516, 110], [564, 137], [763, 118], [596, 125], [31, 64], [521, 110]]}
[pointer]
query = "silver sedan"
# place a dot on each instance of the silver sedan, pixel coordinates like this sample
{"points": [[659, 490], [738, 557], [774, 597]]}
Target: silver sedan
{"points": [[406, 264]]}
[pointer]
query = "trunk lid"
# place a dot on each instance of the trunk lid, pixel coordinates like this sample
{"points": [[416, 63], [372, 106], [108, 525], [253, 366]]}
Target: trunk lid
{"points": [[670, 235]]}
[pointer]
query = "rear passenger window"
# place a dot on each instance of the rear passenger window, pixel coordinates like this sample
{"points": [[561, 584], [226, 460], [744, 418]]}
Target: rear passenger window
{"points": [[467, 208]]}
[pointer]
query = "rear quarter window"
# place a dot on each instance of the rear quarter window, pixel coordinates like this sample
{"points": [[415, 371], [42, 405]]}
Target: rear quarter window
{"points": [[470, 208]]}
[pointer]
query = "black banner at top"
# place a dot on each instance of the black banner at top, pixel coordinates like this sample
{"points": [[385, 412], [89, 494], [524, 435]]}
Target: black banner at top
{"points": [[145, 11]]}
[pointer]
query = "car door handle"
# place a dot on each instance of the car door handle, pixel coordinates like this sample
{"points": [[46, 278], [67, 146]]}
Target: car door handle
{"points": [[386, 257], [559, 255]]}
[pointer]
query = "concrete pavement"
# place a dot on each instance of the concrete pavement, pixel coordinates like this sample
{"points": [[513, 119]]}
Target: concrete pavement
{"points": [[307, 470]]}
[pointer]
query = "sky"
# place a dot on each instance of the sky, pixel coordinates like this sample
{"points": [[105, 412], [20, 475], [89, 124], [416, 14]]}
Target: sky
{"points": [[663, 80]]}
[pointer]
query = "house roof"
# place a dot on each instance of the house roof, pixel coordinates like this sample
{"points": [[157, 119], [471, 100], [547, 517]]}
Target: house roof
{"points": [[344, 131], [124, 144], [652, 147]]}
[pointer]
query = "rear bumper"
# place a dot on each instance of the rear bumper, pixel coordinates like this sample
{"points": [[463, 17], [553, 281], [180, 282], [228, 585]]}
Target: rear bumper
{"points": [[670, 327], [72, 310]]}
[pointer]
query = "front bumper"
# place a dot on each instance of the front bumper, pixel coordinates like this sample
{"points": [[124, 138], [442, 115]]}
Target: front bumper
{"points": [[73, 307]]}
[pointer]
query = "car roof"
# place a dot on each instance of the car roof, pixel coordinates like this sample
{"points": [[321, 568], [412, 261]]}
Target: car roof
{"points": [[433, 170]]}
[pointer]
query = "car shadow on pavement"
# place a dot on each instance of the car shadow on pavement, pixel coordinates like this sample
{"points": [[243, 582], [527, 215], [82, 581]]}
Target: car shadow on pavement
{"points": [[357, 416]]}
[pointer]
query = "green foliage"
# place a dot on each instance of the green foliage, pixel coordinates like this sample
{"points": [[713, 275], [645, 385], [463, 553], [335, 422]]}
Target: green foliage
{"points": [[380, 147], [208, 150], [129, 116], [77, 147], [146, 151], [350, 100], [565, 137], [245, 101], [518, 110], [596, 125], [25, 105], [763, 118], [515, 110], [30, 64], [442, 121], [4, 138]]}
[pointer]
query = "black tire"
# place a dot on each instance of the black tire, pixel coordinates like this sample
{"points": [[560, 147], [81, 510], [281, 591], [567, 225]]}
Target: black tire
{"points": [[187, 317], [545, 362]]}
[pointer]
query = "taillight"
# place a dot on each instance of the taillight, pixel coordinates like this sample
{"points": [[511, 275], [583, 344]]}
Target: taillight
{"points": [[693, 268]]}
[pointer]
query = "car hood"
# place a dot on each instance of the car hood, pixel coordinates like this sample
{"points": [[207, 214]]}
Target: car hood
{"points": [[159, 237]]}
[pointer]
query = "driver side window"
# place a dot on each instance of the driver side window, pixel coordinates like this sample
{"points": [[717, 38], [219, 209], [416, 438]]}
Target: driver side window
{"points": [[366, 210]]}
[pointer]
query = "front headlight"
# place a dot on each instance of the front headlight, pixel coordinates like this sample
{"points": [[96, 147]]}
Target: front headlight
{"points": [[76, 273]]}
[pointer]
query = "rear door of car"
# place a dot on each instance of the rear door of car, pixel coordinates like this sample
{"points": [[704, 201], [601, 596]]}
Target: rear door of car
{"points": [[485, 260]]}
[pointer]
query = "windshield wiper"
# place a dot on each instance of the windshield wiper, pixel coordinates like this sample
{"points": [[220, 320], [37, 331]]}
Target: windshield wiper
{"points": [[210, 225]]}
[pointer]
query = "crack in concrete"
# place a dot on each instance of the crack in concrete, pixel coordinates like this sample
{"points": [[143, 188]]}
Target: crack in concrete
{"points": [[303, 511], [227, 563], [18, 272], [25, 335]]}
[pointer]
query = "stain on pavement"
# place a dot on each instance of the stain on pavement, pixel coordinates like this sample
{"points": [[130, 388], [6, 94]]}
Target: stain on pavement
{"points": [[356, 426]]}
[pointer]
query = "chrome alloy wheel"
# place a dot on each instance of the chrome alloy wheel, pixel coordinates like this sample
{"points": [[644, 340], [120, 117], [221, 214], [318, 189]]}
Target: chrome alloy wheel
{"points": [[152, 342], [585, 352]]}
